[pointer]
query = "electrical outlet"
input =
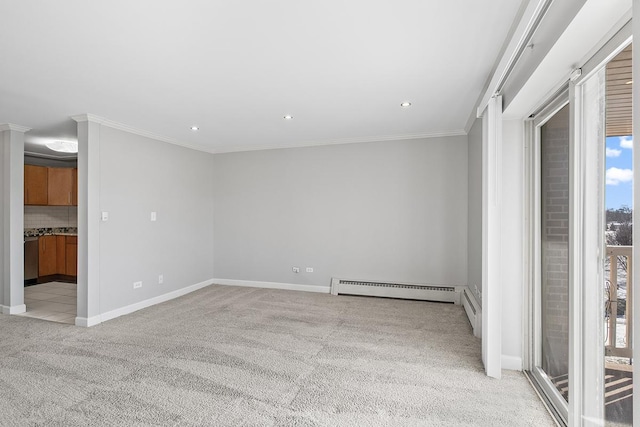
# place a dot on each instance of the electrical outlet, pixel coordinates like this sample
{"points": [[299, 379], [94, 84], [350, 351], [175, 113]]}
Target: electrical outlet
{"points": [[296, 269], [137, 285], [309, 269], [160, 278]]}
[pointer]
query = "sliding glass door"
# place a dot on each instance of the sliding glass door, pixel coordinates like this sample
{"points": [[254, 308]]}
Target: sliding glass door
{"points": [[551, 232], [580, 318]]}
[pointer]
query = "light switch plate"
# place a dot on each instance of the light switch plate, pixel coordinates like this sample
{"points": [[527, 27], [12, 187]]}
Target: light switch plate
{"points": [[153, 216], [105, 216]]}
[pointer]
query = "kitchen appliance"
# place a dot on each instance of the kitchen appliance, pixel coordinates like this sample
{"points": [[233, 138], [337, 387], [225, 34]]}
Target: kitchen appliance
{"points": [[30, 260]]}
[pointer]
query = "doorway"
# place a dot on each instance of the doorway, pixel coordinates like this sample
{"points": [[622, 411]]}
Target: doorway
{"points": [[50, 232], [580, 237]]}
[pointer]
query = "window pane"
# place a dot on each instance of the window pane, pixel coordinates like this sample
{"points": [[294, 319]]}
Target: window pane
{"points": [[554, 162]]}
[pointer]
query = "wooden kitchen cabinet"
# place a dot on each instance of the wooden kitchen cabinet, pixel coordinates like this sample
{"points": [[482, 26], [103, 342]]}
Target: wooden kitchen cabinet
{"points": [[36, 188], [57, 255], [47, 260], [74, 188], [71, 251], [60, 186], [61, 254]]}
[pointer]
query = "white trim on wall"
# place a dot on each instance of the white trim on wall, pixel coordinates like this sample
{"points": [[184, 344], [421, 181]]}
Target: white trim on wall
{"points": [[295, 144], [302, 144], [511, 363], [94, 320], [14, 127], [14, 309], [636, 202], [273, 285]]}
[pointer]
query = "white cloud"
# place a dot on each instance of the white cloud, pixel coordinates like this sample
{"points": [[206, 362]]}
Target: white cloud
{"points": [[616, 176], [626, 142], [612, 152]]}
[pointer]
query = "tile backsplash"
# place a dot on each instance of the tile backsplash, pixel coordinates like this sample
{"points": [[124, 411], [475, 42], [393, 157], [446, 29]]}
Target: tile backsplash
{"points": [[50, 216]]}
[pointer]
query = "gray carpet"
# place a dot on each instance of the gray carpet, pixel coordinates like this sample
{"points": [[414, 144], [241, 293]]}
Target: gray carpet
{"points": [[243, 356]]}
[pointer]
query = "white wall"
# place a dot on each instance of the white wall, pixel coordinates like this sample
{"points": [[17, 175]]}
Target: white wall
{"points": [[393, 210], [474, 216], [139, 175], [512, 234]]}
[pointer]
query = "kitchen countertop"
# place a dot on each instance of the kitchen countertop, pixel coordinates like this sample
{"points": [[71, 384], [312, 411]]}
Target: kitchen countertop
{"points": [[55, 231]]}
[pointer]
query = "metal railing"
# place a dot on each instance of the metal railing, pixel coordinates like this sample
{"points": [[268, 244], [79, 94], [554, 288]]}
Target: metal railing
{"points": [[620, 265]]}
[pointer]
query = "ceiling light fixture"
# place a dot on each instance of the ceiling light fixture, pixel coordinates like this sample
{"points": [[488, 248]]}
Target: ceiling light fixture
{"points": [[405, 104], [63, 146], [195, 128], [288, 117]]}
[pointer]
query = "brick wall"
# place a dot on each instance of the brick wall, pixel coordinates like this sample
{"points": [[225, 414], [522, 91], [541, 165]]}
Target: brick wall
{"points": [[555, 243]]}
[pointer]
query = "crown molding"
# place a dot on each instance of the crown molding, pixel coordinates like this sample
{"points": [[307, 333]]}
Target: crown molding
{"points": [[88, 118], [14, 127], [402, 137], [120, 126], [130, 129]]}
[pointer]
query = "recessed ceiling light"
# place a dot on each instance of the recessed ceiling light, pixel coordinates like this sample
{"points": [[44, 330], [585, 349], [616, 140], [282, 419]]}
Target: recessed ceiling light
{"points": [[63, 146], [629, 82], [288, 117], [405, 104], [194, 128]]}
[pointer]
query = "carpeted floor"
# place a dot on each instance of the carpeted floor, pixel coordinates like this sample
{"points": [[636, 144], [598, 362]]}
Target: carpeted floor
{"points": [[244, 356]]}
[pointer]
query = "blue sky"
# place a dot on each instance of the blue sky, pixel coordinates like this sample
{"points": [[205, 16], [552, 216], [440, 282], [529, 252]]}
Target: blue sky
{"points": [[619, 177]]}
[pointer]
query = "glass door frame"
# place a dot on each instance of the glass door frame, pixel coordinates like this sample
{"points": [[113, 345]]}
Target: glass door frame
{"points": [[586, 247], [533, 222]]}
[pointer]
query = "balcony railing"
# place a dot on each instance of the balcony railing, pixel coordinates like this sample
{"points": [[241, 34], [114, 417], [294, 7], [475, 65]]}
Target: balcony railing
{"points": [[619, 302]]}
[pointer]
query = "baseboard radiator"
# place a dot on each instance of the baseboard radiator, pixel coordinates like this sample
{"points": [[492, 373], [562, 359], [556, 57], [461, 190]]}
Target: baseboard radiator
{"points": [[438, 293], [396, 290], [473, 310]]}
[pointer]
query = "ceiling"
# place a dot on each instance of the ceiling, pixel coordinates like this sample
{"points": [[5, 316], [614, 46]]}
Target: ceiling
{"points": [[234, 69]]}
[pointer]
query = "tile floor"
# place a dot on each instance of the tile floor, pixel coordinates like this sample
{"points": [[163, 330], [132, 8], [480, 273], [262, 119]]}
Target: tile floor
{"points": [[54, 301]]}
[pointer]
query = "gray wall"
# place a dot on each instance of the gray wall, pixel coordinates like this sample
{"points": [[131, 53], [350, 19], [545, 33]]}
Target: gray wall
{"points": [[393, 210], [474, 218], [139, 175], [4, 232]]}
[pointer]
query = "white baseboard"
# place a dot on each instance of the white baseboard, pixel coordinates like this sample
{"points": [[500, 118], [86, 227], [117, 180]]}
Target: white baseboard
{"points": [[88, 322], [94, 320], [273, 285], [14, 309], [511, 363]]}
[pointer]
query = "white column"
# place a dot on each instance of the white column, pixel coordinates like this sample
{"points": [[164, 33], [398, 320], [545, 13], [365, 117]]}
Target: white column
{"points": [[491, 238], [88, 221], [12, 167], [636, 211]]}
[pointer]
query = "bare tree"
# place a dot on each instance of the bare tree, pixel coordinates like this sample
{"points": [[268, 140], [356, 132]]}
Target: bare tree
{"points": [[624, 234]]}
